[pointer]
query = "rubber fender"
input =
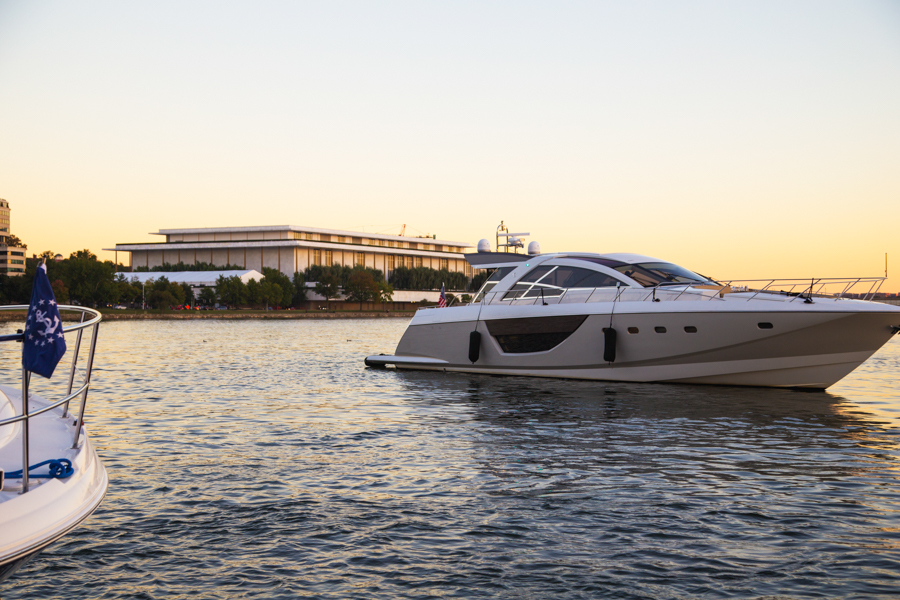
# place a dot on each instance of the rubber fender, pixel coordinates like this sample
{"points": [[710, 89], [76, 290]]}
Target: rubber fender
{"points": [[609, 344], [474, 346]]}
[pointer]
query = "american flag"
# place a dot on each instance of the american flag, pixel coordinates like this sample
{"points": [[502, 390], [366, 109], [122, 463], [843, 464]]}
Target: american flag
{"points": [[442, 303]]}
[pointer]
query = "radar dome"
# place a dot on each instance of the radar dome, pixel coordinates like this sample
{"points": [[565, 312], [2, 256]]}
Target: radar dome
{"points": [[484, 246], [534, 248]]}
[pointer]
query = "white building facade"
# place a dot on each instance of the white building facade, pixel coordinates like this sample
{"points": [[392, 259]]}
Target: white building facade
{"points": [[290, 248], [12, 258]]}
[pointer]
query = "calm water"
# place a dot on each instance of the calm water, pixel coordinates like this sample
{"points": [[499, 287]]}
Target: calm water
{"points": [[263, 460]]}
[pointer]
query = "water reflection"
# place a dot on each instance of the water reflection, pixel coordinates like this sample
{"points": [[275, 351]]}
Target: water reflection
{"points": [[257, 459], [535, 428]]}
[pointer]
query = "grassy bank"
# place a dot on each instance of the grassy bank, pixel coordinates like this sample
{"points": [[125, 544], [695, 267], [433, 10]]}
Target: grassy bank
{"points": [[174, 315]]}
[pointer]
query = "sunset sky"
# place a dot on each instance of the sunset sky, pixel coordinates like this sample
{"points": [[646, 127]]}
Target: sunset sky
{"points": [[739, 139]]}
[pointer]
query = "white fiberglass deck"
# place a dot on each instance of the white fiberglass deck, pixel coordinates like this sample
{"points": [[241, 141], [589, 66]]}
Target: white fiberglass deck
{"points": [[52, 506], [34, 510]]}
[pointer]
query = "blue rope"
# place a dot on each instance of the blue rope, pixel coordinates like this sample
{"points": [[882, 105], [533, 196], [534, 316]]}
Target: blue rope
{"points": [[59, 468]]}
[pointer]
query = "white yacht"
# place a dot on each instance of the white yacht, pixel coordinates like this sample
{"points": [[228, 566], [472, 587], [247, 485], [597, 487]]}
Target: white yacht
{"points": [[628, 317], [51, 476]]}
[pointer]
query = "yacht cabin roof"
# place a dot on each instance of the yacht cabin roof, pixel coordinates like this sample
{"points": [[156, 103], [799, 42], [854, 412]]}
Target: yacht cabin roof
{"points": [[493, 260]]}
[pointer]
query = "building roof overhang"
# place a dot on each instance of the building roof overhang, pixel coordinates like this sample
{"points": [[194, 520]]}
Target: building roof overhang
{"points": [[299, 229], [282, 244]]}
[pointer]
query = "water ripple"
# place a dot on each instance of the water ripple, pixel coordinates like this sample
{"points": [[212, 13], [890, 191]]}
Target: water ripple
{"points": [[262, 460]]}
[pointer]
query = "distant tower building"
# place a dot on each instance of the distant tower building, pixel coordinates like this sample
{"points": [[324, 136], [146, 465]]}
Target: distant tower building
{"points": [[4, 220], [12, 258]]}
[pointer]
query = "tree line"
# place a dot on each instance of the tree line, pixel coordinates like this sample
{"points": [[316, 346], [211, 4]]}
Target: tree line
{"points": [[182, 266], [402, 278], [426, 278], [274, 289], [80, 278], [84, 279], [357, 284]]}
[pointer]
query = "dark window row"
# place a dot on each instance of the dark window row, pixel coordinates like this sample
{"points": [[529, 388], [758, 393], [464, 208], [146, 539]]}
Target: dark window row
{"points": [[692, 329], [688, 329]]}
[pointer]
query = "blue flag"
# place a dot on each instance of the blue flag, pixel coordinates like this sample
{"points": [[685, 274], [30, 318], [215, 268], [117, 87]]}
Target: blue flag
{"points": [[44, 343]]}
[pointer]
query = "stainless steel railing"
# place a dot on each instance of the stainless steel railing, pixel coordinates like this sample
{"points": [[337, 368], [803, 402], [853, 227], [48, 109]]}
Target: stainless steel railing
{"points": [[816, 287], [785, 290], [93, 322]]}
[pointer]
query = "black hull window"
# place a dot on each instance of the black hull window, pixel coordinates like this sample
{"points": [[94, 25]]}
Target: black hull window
{"points": [[530, 342], [539, 334]]}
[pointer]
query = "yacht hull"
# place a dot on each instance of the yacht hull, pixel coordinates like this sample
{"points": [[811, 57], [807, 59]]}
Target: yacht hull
{"points": [[803, 346], [51, 508], [89, 491]]}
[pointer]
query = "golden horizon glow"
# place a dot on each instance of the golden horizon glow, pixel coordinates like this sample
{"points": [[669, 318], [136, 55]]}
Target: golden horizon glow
{"points": [[744, 140]]}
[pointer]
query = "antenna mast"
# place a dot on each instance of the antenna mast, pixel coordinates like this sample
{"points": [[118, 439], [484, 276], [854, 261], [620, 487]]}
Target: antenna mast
{"points": [[512, 239]]}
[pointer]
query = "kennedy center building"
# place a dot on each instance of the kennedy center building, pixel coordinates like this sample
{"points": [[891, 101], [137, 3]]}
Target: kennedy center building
{"points": [[290, 248]]}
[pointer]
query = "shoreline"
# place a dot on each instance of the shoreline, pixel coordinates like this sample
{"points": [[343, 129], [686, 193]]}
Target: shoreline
{"points": [[13, 316]]}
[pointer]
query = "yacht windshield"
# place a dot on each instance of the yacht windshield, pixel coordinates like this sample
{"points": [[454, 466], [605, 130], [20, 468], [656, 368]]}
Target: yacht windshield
{"points": [[549, 281], [491, 281], [660, 273]]}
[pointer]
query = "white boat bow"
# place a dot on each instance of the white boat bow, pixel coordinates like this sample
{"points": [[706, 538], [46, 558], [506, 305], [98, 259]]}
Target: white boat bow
{"points": [[36, 510]]}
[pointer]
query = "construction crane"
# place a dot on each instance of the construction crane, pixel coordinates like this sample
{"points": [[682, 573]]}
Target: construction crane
{"points": [[402, 229]]}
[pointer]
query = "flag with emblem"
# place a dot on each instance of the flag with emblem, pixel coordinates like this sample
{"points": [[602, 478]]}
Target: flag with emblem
{"points": [[442, 303], [44, 343]]}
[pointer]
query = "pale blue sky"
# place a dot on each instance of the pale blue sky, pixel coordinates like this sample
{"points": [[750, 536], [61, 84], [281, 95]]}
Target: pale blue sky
{"points": [[741, 139]]}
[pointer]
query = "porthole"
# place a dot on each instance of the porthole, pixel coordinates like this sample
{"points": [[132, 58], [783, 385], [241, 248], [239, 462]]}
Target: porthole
{"points": [[659, 329], [764, 325], [690, 329], [633, 330]]}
